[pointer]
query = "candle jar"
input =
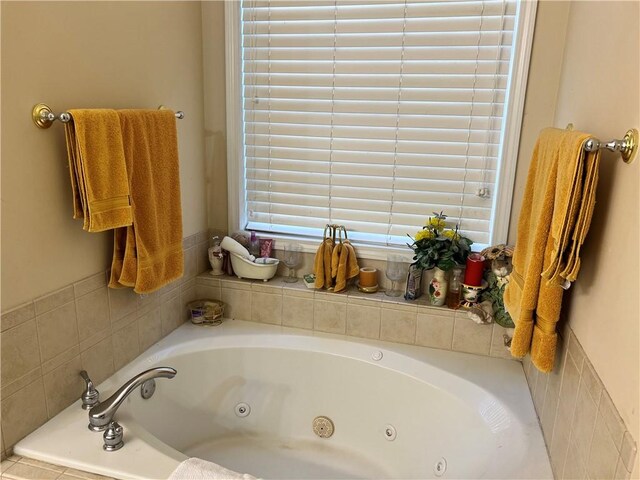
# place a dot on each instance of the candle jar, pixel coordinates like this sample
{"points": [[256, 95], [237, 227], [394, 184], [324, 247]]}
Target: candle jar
{"points": [[473, 273]]}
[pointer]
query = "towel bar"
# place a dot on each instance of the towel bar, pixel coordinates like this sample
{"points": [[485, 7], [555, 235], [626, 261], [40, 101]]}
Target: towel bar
{"points": [[628, 146], [43, 116]]}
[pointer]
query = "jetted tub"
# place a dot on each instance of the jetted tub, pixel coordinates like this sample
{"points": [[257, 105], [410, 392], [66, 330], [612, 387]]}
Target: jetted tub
{"points": [[246, 396]]}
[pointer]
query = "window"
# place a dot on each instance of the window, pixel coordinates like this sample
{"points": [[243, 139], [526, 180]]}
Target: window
{"points": [[374, 114]]}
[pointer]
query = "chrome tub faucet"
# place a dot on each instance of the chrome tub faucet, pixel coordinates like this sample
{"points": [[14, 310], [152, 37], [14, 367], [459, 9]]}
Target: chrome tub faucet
{"points": [[101, 414]]}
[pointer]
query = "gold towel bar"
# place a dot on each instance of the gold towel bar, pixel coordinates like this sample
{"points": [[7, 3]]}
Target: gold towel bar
{"points": [[628, 146], [43, 116]]}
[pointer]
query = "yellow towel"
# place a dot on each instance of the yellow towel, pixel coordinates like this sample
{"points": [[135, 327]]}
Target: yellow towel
{"points": [[318, 266], [335, 260], [97, 169], [347, 266], [551, 211], [148, 254]]}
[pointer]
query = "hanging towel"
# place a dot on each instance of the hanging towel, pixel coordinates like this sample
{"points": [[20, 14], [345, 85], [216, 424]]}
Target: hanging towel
{"points": [[555, 210], [347, 266], [97, 169], [328, 255], [318, 266], [148, 255], [198, 469]]}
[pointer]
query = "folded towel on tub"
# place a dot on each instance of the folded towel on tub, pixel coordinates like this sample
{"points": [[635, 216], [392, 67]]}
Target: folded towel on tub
{"points": [[148, 255], [97, 169], [198, 469]]}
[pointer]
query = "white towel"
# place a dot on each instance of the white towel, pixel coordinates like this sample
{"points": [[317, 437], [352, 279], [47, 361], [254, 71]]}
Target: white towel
{"points": [[198, 469]]}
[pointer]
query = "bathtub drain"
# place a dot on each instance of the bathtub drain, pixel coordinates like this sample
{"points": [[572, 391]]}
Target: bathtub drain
{"points": [[323, 427], [440, 467]]}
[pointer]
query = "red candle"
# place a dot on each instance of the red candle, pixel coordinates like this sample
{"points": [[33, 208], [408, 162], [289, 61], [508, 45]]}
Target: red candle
{"points": [[473, 273]]}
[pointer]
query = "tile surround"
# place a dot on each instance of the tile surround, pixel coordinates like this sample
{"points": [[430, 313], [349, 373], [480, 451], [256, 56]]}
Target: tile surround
{"points": [[585, 436], [47, 341], [353, 313], [22, 468]]}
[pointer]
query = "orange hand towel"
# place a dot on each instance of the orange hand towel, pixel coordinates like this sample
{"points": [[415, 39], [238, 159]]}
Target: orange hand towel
{"points": [[318, 266], [97, 169], [148, 255], [550, 211]]}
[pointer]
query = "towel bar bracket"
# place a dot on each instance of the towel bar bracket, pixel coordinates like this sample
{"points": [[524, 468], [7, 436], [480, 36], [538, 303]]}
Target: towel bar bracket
{"points": [[628, 146]]}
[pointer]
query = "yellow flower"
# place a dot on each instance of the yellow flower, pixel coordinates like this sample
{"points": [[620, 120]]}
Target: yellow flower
{"points": [[451, 234], [437, 223], [424, 234]]}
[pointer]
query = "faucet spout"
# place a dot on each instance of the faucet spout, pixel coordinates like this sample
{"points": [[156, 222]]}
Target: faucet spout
{"points": [[101, 415]]}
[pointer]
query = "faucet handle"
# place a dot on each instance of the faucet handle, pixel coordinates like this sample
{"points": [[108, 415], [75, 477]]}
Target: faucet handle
{"points": [[112, 437], [90, 396]]}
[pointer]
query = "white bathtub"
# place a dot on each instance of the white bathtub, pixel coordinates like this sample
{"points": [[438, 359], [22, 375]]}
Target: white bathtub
{"points": [[474, 413]]}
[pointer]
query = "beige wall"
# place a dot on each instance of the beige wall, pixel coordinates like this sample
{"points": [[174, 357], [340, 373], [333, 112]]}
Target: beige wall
{"points": [[86, 54], [213, 50], [595, 87], [599, 93]]}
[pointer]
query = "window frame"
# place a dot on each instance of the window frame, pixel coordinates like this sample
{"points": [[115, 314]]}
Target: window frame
{"points": [[506, 170]]}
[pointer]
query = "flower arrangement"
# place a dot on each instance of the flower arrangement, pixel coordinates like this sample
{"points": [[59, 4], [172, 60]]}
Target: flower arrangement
{"points": [[435, 245]]}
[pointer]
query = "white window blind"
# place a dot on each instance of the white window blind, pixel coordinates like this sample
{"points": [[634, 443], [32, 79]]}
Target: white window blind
{"points": [[373, 114]]}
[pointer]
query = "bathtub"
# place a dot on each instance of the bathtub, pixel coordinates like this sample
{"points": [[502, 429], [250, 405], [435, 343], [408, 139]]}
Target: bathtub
{"points": [[246, 396]]}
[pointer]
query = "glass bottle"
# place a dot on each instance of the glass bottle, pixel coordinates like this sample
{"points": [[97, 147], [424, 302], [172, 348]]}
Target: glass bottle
{"points": [[453, 296]]}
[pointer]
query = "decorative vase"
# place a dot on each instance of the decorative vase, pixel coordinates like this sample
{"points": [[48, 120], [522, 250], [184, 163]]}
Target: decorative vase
{"points": [[438, 288]]}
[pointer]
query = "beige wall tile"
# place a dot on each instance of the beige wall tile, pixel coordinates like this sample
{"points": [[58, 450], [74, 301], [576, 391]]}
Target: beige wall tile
{"points": [[621, 471], [297, 311], [266, 308], [592, 381], [122, 302], [273, 286], [498, 349], [235, 283], [189, 242], [172, 314], [23, 412], [92, 310], [237, 304], [548, 417], [628, 451], [17, 316], [574, 467], [576, 351], [190, 263], [559, 445], [57, 330], [20, 352], [329, 317], [363, 320], [470, 337], [188, 295], [540, 392], [207, 279], [147, 302], [584, 421], [98, 361], [53, 300], [603, 456], [123, 322], [90, 284], [150, 328], [63, 386], [22, 471], [126, 345], [555, 377], [208, 292], [27, 379], [58, 360], [612, 419], [95, 338], [569, 389], [397, 325], [434, 330]]}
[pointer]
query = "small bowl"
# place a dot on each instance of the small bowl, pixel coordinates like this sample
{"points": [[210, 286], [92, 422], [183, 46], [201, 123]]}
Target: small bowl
{"points": [[262, 269]]}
